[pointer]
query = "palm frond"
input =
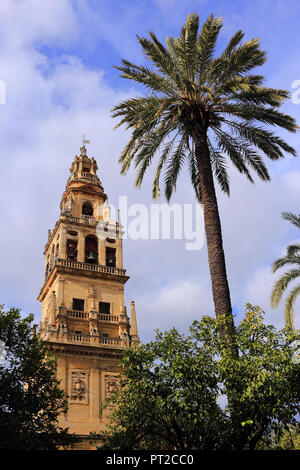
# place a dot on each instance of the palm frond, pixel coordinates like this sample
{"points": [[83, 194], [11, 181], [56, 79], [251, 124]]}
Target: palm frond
{"points": [[252, 112], [294, 251], [281, 285], [244, 58], [290, 258], [233, 43], [289, 307], [207, 40], [235, 150], [263, 139], [184, 48], [147, 77], [219, 168], [174, 166], [151, 144], [164, 156], [261, 96], [194, 173], [294, 219], [161, 58]]}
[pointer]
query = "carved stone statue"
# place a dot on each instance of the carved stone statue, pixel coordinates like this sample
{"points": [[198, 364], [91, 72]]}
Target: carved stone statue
{"points": [[83, 151], [91, 294]]}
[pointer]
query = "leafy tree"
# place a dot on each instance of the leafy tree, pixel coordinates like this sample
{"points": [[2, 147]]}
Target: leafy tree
{"points": [[290, 439], [30, 397], [200, 109], [292, 257], [172, 389]]}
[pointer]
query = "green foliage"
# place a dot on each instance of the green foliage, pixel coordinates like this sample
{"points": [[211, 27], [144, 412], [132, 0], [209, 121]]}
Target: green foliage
{"points": [[290, 439], [30, 397], [172, 388], [292, 258], [190, 92]]}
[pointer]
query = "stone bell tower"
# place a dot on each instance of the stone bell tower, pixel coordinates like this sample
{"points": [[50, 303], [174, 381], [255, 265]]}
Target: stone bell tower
{"points": [[84, 319]]}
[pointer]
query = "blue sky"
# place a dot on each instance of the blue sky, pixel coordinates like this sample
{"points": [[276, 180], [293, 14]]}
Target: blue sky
{"points": [[57, 60]]}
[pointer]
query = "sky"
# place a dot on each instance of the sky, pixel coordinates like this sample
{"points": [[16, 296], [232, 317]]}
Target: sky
{"points": [[56, 62]]}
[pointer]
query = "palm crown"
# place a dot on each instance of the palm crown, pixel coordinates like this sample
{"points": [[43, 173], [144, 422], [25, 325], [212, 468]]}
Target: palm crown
{"points": [[292, 257], [191, 90], [201, 108]]}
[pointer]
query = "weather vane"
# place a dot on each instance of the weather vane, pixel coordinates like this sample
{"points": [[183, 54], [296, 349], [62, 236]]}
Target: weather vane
{"points": [[84, 140]]}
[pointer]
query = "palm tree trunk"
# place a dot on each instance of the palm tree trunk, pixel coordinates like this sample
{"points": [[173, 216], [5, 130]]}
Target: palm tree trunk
{"points": [[216, 257]]}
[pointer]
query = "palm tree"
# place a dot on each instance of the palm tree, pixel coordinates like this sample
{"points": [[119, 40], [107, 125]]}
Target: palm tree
{"points": [[292, 257], [200, 108]]}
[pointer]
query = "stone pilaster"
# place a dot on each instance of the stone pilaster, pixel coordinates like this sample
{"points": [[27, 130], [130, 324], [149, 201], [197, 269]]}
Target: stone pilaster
{"points": [[80, 247]]}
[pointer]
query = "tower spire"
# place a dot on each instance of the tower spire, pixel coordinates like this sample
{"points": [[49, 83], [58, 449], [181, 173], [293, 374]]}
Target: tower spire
{"points": [[133, 323]]}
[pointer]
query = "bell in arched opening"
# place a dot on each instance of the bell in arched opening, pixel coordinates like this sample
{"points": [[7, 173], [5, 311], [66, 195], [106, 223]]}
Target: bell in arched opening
{"points": [[91, 250], [87, 209]]}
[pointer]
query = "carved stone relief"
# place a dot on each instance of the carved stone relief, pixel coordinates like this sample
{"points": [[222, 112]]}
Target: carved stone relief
{"points": [[79, 387], [111, 385]]}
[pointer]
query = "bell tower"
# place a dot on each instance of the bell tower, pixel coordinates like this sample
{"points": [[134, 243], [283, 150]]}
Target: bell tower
{"points": [[84, 319]]}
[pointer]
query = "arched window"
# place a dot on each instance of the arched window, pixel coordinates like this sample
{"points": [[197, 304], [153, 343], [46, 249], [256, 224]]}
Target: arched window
{"points": [[111, 257], [72, 249], [87, 208], [91, 250]]}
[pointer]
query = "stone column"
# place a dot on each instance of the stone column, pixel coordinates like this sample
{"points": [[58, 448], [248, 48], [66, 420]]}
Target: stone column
{"points": [[60, 293], [119, 253], [61, 375], [133, 326], [81, 247], [52, 309], [63, 243], [95, 394], [101, 252]]}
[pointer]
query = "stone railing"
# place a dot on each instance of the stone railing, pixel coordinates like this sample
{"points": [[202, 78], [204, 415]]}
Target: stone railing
{"points": [[83, 175], [77, 314], [97, 340], [108, 318], [112, 342], [100, 316], [89, 267], [88, 219], [88, 176], [78, 338]]}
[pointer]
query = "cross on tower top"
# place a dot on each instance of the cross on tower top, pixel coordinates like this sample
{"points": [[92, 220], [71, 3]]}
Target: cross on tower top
{"points": [[84, 140], [82, 148]]}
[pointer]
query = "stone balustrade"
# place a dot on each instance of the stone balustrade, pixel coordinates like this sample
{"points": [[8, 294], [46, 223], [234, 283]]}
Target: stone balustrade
{"points": [[100, 316], [97, 340], [89, 267], [77, 314], [87, 219]]}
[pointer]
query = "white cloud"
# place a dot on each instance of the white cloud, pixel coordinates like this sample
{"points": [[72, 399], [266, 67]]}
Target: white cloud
{"points": [[258, 291], [176, 305], [24, 22]]}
